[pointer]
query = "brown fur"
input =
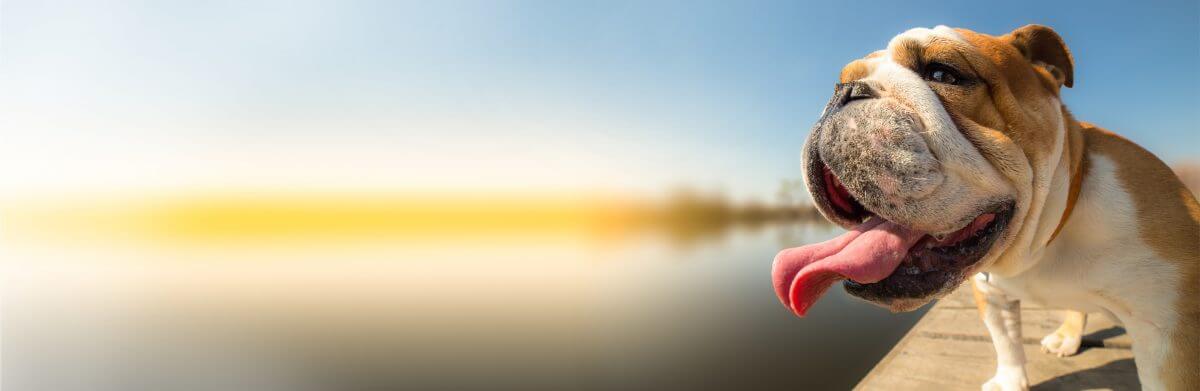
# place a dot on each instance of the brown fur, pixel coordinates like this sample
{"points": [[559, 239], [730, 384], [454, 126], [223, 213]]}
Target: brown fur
{"points": [[1017, 93], [1079, 166], [980, 300], [855, 70], [1169, 222], [1045, 49]]}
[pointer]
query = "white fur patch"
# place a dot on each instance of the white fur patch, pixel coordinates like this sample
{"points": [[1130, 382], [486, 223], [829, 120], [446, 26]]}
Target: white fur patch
{"points": [[924, 35]]}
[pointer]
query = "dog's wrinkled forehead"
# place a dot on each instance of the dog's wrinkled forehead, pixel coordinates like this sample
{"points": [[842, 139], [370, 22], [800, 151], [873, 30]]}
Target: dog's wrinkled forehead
{"points": [[908, 50], [1009, 84]]}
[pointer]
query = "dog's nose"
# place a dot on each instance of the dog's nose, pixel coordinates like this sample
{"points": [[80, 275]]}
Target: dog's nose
{"points": [[854, 90], [844, 93]]}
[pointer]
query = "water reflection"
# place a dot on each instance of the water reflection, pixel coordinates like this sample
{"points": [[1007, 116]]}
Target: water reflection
{"points": [[666, 305]]}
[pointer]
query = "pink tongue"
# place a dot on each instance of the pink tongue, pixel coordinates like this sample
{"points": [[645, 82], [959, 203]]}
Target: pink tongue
{"points": [[868, 253]]}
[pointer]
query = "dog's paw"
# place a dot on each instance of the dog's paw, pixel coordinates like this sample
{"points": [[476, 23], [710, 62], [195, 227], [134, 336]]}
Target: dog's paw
{"points": [[1007, 380], [1061, 344]]}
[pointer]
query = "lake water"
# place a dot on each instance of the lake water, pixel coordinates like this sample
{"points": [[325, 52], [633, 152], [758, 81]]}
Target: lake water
{"points": [[649, 312]]}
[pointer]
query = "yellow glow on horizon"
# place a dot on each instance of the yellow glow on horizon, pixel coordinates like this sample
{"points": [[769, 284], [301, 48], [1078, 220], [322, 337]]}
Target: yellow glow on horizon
{"points": [[301, 218]]}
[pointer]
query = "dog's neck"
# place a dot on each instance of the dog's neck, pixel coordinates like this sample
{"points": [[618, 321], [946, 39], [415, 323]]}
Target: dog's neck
{"points": [[1077, 164], [1053, 201]]}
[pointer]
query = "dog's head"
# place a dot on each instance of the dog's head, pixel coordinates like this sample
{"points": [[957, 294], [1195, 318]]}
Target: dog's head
{"points": [[955, 135]]}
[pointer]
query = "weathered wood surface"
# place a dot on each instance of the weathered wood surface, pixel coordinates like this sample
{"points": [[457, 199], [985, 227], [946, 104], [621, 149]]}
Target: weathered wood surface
{"points": [[949, 349]]}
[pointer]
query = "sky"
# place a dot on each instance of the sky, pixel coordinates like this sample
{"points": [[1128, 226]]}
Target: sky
{"points": [[496, 96]]}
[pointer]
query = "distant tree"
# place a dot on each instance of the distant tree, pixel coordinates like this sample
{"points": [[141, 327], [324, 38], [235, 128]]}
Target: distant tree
{"points": [[792, 193]]}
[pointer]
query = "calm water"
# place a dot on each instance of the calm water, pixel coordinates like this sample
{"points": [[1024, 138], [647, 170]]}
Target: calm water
{"points": [[531, 313]]}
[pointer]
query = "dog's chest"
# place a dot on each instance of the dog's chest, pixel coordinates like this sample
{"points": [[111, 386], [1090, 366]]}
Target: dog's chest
{"points": [[1052, 287], [1099, 262]]}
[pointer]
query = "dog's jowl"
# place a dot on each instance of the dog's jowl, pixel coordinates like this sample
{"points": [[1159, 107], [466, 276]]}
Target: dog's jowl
{"points": [[950, 154]]}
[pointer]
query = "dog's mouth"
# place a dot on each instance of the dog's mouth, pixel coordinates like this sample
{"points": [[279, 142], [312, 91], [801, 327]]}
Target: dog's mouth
{"points": [[882, 261], [935, 265]]}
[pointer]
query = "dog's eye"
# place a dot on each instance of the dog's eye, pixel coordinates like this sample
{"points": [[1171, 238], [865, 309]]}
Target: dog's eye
{"points": [[942, 74]]}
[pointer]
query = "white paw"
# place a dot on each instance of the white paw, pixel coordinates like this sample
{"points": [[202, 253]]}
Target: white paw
{"points": [[1061, 345], [1007, 380]]}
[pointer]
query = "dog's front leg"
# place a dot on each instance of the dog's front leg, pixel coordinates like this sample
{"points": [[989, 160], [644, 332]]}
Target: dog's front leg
{"points": [[1002, 316]]}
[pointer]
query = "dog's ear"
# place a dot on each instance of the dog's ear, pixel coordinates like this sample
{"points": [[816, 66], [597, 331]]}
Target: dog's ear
{"points": [[1043, 47]]}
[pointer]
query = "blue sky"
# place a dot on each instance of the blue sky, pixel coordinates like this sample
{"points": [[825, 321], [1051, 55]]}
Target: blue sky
{"points": [[508, 96]]}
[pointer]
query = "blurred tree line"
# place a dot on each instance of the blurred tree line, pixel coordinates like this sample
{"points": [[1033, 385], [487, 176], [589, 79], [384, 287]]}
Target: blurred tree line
{"points": [[689, 215]]}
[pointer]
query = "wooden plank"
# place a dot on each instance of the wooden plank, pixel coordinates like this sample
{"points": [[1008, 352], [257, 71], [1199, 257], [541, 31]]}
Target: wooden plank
{"points": [[949, 349]]}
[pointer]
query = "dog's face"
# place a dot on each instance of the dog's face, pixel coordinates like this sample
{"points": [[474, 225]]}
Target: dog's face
{"points": [[955, 134]]}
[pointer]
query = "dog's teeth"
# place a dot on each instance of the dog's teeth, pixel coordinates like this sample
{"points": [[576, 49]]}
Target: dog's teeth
{"points": [[912, 270]]}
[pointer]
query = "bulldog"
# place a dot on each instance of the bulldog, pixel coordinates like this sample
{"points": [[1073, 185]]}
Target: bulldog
{"points": [[950, 154]]}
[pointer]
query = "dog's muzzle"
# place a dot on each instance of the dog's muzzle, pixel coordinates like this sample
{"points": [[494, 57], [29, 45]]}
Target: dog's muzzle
{"points": [[872, 143]]}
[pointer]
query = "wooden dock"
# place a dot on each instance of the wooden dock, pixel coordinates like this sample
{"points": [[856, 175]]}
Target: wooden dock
{"points": [[949, 349]]}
